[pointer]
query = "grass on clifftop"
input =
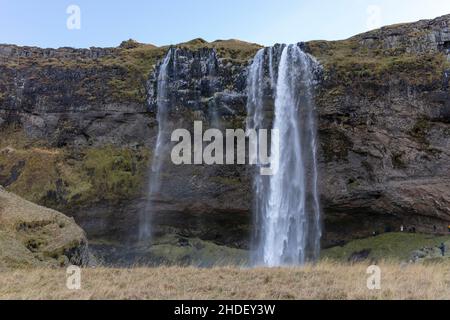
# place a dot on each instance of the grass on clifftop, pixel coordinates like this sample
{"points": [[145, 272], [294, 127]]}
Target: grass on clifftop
{"points": [[351, 65], [122, 73], [138, 60]]}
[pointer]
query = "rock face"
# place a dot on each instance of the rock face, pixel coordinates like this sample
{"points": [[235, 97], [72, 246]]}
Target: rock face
{"points": [[384, 108], [63, 96], [31, 235], [209, 202], [383, 105]]}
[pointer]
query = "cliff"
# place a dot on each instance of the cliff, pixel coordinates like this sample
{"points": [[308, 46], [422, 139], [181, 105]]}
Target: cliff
{"points": [[384, 123]]}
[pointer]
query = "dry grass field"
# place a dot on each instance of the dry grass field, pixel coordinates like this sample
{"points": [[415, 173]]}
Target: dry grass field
{"points": [[327, 280]]}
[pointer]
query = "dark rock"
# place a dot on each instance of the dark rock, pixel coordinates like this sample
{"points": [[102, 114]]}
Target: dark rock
{"points": [[359, 256]]}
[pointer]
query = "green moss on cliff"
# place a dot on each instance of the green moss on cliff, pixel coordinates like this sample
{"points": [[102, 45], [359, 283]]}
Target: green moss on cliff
{"points": [[335, 145], [350, 63], [235, 50], [63, 178], [420, 131], [397, 161], [135, 64], [115, 173]]}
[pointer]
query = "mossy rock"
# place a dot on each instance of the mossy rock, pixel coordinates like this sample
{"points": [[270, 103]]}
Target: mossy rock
{"points": [[32, 236]]}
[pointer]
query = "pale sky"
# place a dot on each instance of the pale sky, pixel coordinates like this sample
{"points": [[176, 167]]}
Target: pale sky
{"points": [[106, 22]]}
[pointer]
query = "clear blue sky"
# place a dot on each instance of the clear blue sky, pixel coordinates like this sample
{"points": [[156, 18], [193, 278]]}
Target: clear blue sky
{"points": [[108, 22]]}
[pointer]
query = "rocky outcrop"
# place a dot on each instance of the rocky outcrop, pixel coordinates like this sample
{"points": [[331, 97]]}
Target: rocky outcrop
{"points": [[32, 236], [67, 96]]}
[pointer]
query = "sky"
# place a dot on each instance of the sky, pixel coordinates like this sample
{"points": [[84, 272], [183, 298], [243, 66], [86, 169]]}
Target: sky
{"points": [[106, 23]]}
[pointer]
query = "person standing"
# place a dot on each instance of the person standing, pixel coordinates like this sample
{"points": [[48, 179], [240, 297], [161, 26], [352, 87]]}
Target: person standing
{"points": [[442, 248]]}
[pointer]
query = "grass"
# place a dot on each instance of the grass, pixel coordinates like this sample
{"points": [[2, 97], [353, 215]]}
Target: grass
{"points": [[350, 65], [388, 246], [196, 253], [35, 236], [327, 280]]}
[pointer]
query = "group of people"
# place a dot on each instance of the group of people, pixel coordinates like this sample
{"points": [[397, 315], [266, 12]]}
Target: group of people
{"points": [[442, 247], [413, 229]]}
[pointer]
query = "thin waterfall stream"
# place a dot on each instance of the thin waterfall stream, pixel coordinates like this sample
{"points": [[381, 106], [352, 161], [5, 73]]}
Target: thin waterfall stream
{"points": [[162, 143]]}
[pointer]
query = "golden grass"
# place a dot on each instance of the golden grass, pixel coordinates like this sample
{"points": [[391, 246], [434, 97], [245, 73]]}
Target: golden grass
{"points": [[326, 280]]}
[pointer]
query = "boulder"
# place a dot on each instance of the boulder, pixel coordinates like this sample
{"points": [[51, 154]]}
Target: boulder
{"points": [[34, 236]]}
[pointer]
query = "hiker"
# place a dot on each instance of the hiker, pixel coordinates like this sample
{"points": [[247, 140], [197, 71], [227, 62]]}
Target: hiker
{"points": [[442, 248], [448, 228]]}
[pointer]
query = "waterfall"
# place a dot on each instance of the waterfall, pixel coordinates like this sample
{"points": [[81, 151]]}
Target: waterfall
{"points": [[287, 208], [182, 77], [162, 142], [211, 71]]}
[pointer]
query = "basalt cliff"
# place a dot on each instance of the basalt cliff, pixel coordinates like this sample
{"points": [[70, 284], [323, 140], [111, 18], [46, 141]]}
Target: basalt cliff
{"points": [[78, 130]]}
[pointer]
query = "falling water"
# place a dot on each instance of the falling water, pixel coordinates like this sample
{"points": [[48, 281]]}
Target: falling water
{"points": [[287, 212], [162, 142], [211, 72]]}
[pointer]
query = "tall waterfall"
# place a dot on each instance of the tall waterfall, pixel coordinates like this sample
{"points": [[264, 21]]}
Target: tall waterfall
{"points": [[162, 142], [287, 210]]}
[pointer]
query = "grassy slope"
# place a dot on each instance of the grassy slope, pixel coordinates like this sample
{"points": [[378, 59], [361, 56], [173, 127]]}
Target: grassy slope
{"points": [[324, 281], [390, 246], [34, 236]]}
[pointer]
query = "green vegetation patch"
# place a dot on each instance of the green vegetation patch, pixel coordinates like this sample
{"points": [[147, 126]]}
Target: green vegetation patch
{"points": [[115, 173], [61, 178], [389, 246], [174, 250], [351, 63]]}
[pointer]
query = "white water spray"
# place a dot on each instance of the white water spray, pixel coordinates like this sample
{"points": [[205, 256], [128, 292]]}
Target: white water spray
{"points": [[162, 143], [287, 212]]}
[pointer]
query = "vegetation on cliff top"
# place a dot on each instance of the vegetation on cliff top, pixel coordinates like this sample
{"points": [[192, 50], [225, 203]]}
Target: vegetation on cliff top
{"points": [[351, 64], [122, 71]]}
